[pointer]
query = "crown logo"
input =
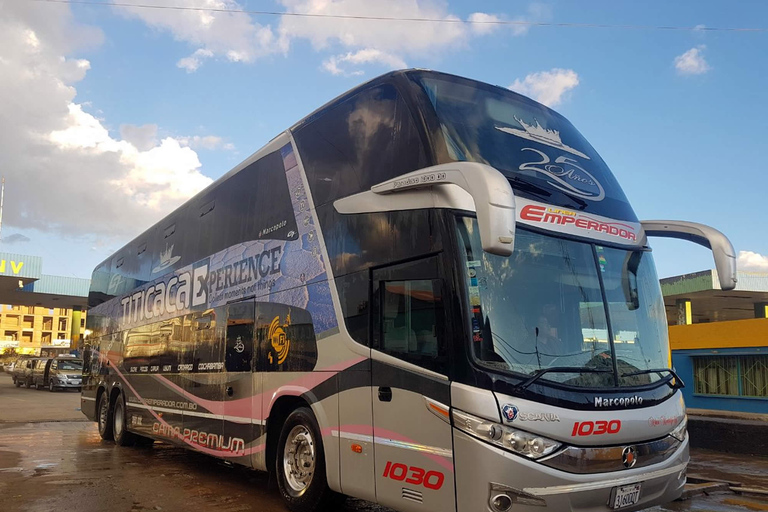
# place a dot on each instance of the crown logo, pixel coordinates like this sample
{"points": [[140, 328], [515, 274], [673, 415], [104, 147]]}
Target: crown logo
{"points": [[551, 137], [538, 133], [166, 259], [279, 339], [165, 256]]}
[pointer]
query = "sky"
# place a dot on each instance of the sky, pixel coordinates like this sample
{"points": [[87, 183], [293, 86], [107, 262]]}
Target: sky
{"points": [[114, 115]]}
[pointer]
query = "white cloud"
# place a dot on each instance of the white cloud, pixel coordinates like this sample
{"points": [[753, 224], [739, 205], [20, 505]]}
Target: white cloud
{"points": [[367, 56], [692, 62], [194, 61], [209, 142], [483, 23], [547, 87], [237, 37], [234, 36], [752, 262], [66, 174]]}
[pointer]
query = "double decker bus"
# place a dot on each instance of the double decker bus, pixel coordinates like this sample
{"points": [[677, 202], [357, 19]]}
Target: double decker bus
{"points": [[430, 293]]}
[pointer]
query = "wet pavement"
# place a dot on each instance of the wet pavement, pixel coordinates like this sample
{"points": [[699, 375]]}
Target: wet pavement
{"points": [[65, 465]]}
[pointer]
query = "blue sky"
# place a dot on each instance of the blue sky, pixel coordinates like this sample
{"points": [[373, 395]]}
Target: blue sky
{"points": [[120, 114]]}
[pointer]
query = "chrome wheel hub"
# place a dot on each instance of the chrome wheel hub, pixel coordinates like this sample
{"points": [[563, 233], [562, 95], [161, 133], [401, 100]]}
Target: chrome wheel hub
{"points": [[103, 411], [119, 420], [299, 459]]}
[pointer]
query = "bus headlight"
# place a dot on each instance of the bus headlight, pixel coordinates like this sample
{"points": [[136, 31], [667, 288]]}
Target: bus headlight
{"points": [[680, 430], [511, 439]]}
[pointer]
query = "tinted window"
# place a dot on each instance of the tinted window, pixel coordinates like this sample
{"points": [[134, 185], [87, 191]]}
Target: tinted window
{"points": [[365, 140], [208, 336], [286, 338], [541, 152], [357, 242], [409, 314], [253, 204], [409, 318], [239, 352]]}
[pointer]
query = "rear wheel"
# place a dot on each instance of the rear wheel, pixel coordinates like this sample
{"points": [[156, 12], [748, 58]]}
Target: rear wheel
{"points": [[104, 418], [119, 427], [300, 464]]}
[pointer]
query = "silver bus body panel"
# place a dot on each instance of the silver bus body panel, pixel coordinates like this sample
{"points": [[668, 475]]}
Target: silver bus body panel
{"points": [[602, 427], [480, 402], [479, 464]]}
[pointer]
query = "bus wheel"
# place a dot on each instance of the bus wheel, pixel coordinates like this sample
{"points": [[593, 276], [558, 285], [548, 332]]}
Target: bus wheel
{"points": [[104, 418], [300, 464], [119, 427]]}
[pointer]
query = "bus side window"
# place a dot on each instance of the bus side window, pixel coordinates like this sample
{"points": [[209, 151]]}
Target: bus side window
{"points": [[239, 354], [409, 317]]}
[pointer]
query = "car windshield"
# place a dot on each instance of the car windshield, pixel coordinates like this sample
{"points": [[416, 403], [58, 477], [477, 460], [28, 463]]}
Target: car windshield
{"points": [[70, 365], [543, 307]]}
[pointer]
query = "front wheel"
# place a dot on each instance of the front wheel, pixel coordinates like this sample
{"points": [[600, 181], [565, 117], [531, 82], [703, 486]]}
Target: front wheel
{"points": [[300, 464], [104, 418], [17, 383], [51, 387]]}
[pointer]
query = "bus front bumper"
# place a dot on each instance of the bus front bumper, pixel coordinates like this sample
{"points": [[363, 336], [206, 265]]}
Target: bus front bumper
{"points": [[484, 472]]}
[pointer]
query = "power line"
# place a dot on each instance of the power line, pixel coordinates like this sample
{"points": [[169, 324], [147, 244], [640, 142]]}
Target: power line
{"points": [[417, 20]]}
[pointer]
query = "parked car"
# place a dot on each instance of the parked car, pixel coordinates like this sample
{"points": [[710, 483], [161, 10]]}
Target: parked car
{"points": [[39, 370], [61, 372], [22, 372]]}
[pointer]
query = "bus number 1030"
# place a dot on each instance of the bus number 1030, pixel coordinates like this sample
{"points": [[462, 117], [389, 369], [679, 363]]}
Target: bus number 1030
{"points": [[596, 428], [415, 476]]}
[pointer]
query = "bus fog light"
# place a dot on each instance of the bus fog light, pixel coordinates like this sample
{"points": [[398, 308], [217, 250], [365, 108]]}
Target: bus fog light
{"points": [[501, 503], [501, 498]]}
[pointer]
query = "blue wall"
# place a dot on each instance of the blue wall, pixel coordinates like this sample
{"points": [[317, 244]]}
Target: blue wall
{"points": [[682, 360]]}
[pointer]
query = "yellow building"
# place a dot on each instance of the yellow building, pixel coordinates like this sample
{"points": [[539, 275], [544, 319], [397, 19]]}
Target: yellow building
{"points": [[719, 340], [37, 330]]}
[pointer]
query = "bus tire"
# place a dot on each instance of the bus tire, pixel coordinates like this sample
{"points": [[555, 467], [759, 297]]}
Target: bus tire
{"points": [[120, 423], [300, 464], [104, 417]]}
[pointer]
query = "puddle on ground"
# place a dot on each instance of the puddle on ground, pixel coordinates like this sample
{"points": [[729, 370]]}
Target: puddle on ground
{"points": [[9, 460]]}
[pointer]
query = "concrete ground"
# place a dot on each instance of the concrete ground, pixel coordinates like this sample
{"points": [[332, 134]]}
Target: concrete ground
{"points": [[52, 459]]}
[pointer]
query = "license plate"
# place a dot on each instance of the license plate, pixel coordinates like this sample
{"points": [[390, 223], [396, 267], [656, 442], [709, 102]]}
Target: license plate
{"points": [[625, 496]]}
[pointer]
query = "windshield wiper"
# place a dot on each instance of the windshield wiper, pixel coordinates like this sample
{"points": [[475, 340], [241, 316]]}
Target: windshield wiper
{"points": [[527, 186], [679, 384], [560, 369]]}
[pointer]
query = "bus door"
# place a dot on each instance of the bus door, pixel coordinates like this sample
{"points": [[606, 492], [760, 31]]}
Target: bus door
{"points": [[239, 432], [411, 428]]}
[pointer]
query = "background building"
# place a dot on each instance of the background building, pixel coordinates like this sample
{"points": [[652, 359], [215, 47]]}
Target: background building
{"points": [[719, 340], [39, 314], [37, 330]]}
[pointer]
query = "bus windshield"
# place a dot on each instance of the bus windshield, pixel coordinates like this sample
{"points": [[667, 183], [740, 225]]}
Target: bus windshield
{"points": [[557, 303], [540, 151]]}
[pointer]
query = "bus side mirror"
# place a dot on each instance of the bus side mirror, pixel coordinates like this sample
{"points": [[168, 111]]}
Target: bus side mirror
{"points": [[717, 242], [494, 201]]}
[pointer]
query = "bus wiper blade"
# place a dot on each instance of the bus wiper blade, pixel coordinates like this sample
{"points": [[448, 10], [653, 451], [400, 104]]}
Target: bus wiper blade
{"points": [[526, 186], [560, 369], [679, 384]]}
